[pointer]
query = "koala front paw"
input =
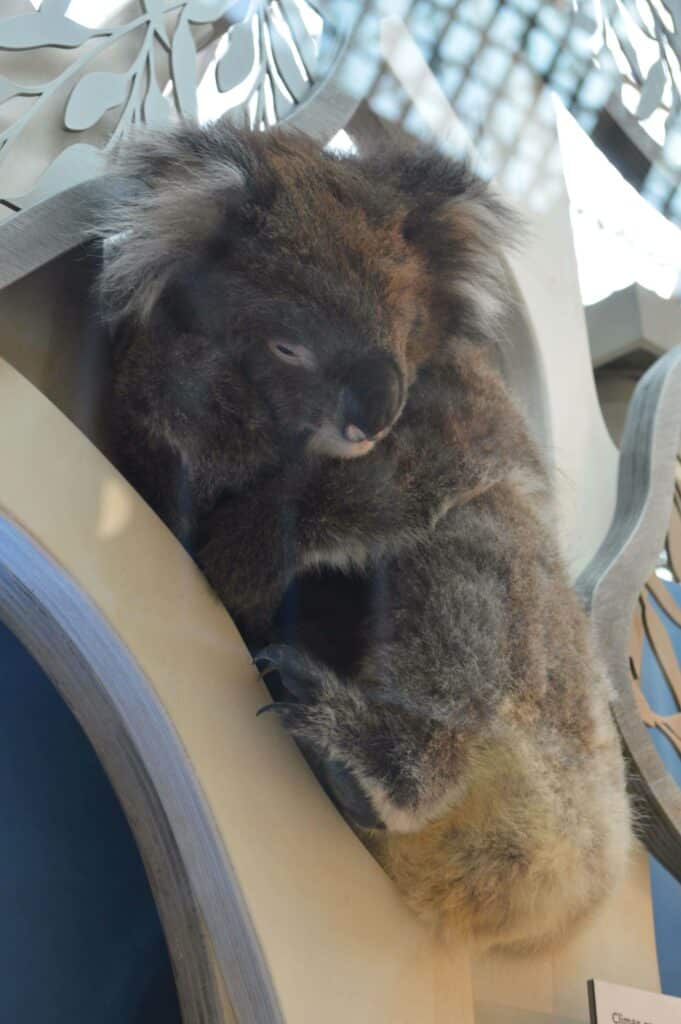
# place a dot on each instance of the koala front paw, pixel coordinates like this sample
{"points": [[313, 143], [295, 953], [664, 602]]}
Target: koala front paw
{"points": [[310, 716], [299, 674], [317, 718]]}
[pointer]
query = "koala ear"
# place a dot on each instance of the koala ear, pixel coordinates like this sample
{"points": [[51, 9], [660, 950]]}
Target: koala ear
{"points": [[188, 187], [462, 227]]}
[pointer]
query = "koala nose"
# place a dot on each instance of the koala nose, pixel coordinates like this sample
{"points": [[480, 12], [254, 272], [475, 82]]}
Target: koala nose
{"points": [[370, 398]]}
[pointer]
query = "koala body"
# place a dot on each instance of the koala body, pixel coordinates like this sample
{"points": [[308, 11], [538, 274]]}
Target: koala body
{"points": [[301, 389]]}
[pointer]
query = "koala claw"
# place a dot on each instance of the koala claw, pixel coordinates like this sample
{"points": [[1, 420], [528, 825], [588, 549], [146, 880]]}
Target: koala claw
{"points": [[296, 671], [281, 706]]}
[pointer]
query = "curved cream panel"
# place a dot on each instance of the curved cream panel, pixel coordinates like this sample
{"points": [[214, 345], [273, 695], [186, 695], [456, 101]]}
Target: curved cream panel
{"points": [[338, 943]]}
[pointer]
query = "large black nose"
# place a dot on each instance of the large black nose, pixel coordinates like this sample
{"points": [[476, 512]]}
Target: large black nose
{"points": [[371, 396]]}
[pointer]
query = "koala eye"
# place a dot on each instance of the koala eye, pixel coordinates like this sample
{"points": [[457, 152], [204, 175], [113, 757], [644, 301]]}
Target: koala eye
{"points": [[296, 355]]}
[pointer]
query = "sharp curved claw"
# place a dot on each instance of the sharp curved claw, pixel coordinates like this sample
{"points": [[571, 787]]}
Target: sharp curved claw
{"points": [[296, 671], [279, 706], [264, 667]]}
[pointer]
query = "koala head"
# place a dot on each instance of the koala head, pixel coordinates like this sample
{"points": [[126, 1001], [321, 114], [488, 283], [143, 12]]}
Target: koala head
{"points": [[268, 296]]}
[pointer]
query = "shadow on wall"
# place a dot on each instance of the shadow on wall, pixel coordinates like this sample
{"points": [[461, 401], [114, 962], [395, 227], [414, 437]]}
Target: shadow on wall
{"points": [[80, 938]]}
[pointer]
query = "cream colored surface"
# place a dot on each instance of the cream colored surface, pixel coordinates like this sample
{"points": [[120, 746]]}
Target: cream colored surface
{"points": [[581, 450], [338, 942], [617, 945]]}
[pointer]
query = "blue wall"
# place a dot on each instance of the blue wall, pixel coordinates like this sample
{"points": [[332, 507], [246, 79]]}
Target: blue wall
{"points": [[80, 939]]}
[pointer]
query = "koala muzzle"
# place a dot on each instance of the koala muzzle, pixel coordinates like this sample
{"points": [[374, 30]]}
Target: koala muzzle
{"points": [[370, 399]]}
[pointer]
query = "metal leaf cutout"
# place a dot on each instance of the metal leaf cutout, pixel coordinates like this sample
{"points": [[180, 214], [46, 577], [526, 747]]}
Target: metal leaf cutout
{"points": [[155, 107], [285, 61], [31, 31], [74, 164], [52, 7], [306, 45], [200, 12], [674, 8], [183, 64], [237, 63], [92, 96], [649, 624], [8, 89], [651, 93], [635, 30], [282, 104], [155, 9], [266, 71]]}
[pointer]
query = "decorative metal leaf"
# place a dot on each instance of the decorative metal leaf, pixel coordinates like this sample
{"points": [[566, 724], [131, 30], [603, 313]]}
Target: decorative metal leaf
{"points": [[651, 91], [7, 89], [155, 9], [304, 41], [282, 104], [52, 7], [674, 543], [155, 108], [203, 11], [274, 71], [237, 62], [674, 8], [183, 65], [633, 12], [92, 96], [659, 633], [74, 164], [29, 31], [286, 65], [629, 48], [259, 112]]}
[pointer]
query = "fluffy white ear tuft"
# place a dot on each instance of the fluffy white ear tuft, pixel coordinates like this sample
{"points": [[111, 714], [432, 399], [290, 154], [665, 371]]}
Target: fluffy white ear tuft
{"points": [[182, 183], [479, 229]]}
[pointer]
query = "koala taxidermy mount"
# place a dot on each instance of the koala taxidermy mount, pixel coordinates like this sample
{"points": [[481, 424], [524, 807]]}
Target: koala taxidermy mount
{"points": [[302, 388]]}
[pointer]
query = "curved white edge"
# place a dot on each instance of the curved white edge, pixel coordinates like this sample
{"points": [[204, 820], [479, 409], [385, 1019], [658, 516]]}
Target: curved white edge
{"points": [[189, 870]]}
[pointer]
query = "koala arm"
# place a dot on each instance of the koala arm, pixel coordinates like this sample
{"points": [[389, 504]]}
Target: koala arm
{"points": [[321, 512], [449, 635], [404, 723]]}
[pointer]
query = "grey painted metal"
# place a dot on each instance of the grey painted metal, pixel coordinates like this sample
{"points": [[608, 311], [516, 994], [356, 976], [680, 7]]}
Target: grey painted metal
{"points": [[56, 225], [285, 73], [610, 585], [193, 882]]}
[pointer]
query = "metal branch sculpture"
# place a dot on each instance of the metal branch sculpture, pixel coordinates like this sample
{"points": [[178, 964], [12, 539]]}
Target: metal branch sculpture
{"points": [[648, 624], [644, 39], [269, 57]]}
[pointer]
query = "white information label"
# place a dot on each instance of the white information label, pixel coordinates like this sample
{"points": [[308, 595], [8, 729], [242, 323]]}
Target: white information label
{"points": [[617, 1004]]}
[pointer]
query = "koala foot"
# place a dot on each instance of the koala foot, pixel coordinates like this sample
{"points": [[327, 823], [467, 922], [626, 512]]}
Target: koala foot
{"points": [[299, 675], [363, 750], [313, 720]]}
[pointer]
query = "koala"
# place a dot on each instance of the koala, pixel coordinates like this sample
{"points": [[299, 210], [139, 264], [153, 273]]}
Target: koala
{"points": [[303, 387]]}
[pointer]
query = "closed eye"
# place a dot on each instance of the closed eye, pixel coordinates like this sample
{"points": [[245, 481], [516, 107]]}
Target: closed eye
{"points": [[294, 354]]}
